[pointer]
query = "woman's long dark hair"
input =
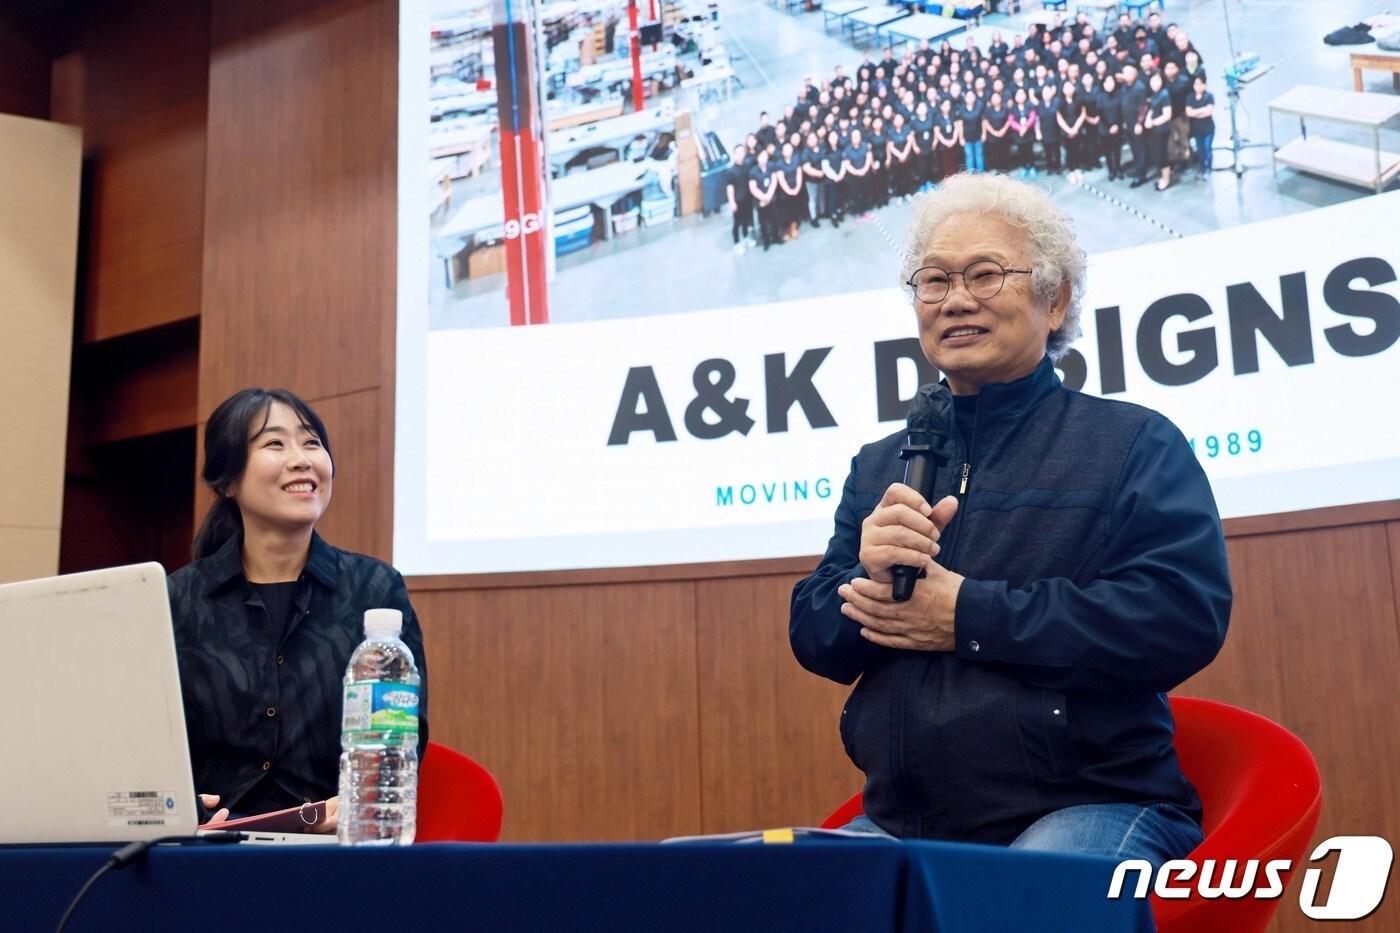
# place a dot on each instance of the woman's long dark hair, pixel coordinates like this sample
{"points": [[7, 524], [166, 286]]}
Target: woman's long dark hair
{"points": [[226, 456]]}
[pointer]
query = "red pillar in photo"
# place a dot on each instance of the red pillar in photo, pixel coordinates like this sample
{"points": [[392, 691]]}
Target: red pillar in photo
{"points": [[635, 43], [524, 182]]}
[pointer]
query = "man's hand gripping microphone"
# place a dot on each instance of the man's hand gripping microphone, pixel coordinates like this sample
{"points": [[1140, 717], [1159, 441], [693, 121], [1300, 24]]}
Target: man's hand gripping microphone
{"points": [[924, 450]]}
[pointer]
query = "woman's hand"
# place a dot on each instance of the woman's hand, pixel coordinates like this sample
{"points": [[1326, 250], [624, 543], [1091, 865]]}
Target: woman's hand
{"points": [[211, 801]]}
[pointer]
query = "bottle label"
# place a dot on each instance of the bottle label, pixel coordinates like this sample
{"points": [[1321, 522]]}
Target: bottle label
{"points": [[377, 707]]}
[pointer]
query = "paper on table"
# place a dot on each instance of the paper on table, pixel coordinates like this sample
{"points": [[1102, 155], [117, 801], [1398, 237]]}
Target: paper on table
{"points": [[781, 835]]}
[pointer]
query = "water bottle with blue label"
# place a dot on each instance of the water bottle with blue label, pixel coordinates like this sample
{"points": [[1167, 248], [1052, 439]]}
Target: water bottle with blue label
{"points": [[379, 737]]}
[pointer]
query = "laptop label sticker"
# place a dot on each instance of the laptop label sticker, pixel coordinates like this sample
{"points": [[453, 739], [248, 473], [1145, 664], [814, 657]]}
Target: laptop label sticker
{"points": [[141, 808]]}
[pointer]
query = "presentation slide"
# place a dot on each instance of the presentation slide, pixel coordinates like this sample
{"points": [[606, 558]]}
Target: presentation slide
{"points": [[688, 403]]}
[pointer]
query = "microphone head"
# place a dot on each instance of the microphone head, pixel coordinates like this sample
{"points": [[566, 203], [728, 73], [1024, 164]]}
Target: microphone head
{"points": [[932, 409]]}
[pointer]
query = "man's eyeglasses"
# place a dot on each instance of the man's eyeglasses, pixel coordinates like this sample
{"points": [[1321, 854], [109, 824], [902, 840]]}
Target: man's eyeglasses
{"points": [[983, 279]]}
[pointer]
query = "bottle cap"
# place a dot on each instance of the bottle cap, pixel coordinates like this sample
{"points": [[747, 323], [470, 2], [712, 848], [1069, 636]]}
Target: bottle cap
{"points": [[383, 622]]}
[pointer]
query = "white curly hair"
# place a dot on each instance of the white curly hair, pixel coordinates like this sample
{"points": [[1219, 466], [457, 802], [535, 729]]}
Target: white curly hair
{"points": [[1054, 258]]}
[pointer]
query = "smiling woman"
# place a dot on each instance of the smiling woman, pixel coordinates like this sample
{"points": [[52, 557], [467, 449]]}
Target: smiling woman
{"points": [[268, 614], [267, 457]]}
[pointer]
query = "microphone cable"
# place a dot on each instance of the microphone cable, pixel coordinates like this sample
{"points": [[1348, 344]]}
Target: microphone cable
{"points": [[133, 852]]}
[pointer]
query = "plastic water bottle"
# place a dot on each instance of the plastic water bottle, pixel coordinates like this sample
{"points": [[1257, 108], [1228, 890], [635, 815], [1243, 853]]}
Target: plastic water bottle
{"points": [[379, 737]]}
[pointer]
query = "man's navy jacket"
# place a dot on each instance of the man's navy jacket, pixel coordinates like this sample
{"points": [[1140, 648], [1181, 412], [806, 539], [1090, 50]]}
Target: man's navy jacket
{"points": [[1096, 580]]}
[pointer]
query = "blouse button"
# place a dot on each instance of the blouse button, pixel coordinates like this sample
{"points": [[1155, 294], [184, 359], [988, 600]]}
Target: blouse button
{"points": [[271, 711], [280, 659], [267, 766]]}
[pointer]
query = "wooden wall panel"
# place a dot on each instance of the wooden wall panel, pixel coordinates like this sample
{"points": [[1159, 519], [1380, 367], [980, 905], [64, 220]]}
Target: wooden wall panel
{"points": [[1393, 535], [1314, 645], [299, 248], [350, 522], [120, 505], [133, 76], [770, 747], [136, 386], [24, 73], [137, 84], [582, 701]]}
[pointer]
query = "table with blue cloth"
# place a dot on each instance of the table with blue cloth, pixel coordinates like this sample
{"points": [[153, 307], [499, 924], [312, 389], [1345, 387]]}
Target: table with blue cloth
{"points": [[849, 885]]}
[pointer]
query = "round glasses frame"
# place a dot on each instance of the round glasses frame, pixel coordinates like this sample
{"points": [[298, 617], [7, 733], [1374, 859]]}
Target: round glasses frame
{"points": [[982, 279]]}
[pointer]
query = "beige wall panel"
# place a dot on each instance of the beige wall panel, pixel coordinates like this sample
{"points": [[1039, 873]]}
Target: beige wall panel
{"points": [[41, 164], [26, 553]]}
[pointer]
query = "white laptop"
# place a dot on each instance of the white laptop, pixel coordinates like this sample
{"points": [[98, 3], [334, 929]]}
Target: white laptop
{"points": [[95, 745]]}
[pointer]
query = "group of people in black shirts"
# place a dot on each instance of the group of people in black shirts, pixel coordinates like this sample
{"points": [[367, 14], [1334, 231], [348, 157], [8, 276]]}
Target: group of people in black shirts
{"points": [[1061, 97]]}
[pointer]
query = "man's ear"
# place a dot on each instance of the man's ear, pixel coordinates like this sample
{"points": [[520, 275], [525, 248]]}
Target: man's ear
{"points": [[1060, 306]]}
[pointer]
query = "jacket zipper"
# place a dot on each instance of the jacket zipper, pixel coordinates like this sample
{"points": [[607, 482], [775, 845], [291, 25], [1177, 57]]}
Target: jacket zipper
{"points": [[964, 480], [963, 484]]}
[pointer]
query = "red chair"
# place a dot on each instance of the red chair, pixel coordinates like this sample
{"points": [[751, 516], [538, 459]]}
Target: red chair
{"points": [[458, 799], [845, 813], [1261, 795]]}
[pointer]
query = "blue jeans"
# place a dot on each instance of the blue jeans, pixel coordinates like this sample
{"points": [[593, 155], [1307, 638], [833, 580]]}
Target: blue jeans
{"points": [[1157, 832], [1203, 151], [864, 824], [972, 157]]}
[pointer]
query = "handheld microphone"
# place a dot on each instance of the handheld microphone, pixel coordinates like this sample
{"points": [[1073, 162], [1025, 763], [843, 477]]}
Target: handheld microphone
{"points": [[924, 450]]}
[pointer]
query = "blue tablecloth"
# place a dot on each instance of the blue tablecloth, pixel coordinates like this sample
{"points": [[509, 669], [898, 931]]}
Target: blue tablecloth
{"points": [[857, 885]]}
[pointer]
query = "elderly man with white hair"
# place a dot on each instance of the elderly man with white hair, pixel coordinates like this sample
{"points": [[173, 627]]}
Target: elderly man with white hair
{"points": [[1073, 569]]}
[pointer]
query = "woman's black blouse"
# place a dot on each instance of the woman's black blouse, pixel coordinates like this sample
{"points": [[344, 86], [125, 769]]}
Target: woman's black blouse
{"points": [[791, 170], [1201, 126], [1110, 104], [1157, 106], [263, 698]]}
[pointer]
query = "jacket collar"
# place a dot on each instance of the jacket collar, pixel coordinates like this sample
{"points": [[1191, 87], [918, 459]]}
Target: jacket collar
{"points": [[1007, 399], [226, 564]]}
